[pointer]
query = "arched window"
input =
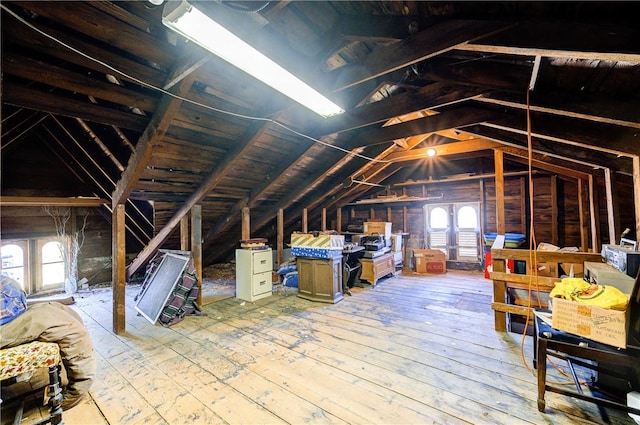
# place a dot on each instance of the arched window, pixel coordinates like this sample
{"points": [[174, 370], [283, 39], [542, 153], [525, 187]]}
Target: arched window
{"points": [[454, 229], [13, 262], [467, 232], [467, 218], [438, 227], [52, 264], [438, 218]]}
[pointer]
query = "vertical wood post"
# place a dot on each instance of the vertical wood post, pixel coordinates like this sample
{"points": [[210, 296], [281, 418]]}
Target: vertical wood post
{"points": [[482, 218], [196, 246], [523, 206], [636, 193], [582, 209], [499, 167], [405, 214], [280, 237], [324, 219], [592, 213], [246, 223], [499, 286], [405, 219], [305, 227], [184, 233], [554, 210], [118, 273], [389, 215], [339, 220], [611, 222]]}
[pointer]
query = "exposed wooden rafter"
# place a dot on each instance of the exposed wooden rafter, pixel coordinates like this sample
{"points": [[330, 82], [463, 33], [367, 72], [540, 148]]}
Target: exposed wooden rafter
{"points": [[39, 201]]}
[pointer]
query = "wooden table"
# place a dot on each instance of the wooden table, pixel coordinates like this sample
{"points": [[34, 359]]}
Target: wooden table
{"points": [[583, 352]]}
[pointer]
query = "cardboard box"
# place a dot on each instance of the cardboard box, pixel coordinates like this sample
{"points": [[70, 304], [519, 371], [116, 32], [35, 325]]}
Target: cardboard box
{"points": [[308, 240], [596, 323], [429, 261], [381, 228]]}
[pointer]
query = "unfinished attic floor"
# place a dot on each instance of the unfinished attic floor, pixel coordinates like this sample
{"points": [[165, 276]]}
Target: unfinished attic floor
{"points": [[414, 350]]}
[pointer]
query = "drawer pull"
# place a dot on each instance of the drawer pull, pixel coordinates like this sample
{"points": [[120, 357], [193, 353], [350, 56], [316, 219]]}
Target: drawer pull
{"points": [[262, 282], [263, 261]]}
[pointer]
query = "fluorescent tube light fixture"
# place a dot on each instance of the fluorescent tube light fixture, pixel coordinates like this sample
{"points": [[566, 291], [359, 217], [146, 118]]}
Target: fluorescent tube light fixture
{"points": [[190, 22]]}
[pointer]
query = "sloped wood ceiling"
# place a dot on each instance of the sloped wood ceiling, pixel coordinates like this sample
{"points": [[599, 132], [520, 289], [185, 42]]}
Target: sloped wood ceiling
{"points": [[144, 118]]}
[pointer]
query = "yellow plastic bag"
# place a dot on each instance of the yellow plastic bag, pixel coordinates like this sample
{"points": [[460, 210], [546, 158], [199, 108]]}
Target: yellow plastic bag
{"points": [[603, 296], [567, 286]]}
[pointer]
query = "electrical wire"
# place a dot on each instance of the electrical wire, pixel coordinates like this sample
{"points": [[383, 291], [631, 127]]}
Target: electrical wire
{"points": [[533, 260], [184, 99]]}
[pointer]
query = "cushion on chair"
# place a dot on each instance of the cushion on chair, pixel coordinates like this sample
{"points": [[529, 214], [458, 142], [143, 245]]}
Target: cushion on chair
{"points": [[28, 357]]}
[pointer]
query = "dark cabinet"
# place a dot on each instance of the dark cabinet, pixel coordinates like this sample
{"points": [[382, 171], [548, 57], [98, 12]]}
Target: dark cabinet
{"points": [[320, 279]]}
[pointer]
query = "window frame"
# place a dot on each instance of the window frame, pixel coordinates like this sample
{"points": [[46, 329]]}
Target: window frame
{"points": [[26, 270], [33, 263]]}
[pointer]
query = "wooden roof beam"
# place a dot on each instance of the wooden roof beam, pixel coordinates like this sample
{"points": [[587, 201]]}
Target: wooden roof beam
{"points": [[423, 45], [608, 111], [547, 164], [553, 53], [432, 96], [454, 148], [210, 182], [602, 137], [357, 190], [152, 134], [27, 37], [459, 116], [608, 42], [477, 73], [25, 67], [41, 201], [106, 28], [561, 151], [36, 100]]}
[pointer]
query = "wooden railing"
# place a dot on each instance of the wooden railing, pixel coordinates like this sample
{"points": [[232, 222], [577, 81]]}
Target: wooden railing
{"points": [[503, 281]]}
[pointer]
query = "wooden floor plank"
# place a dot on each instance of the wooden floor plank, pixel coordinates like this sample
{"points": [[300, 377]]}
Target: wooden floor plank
{"points": [[341, 393], [392, 366]]}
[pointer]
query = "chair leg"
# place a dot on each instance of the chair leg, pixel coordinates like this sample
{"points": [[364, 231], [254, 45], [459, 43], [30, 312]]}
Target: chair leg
{"points": [[17, 420], [542, 372], [54, 392], [55, 397]]}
